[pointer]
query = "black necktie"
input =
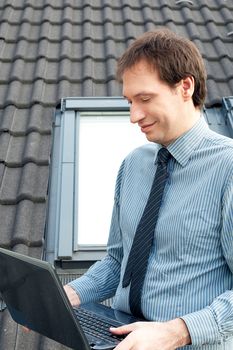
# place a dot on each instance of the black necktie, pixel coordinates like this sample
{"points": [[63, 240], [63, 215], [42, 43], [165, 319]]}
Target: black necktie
{"points": [[138, 257]]}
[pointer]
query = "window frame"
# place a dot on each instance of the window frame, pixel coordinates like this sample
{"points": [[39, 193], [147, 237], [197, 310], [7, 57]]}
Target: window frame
{"points": [[61, 233]]}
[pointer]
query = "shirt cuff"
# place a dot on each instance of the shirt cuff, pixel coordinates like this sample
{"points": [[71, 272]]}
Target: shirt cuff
{"points": [[85, 288], [202, 327]]}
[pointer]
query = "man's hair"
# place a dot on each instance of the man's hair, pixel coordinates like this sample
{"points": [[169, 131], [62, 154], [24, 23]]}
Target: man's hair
{"points": [[173, 56]]}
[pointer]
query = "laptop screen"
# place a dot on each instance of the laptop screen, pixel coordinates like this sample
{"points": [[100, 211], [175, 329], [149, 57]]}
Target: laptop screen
{"points": [[22, 283]]}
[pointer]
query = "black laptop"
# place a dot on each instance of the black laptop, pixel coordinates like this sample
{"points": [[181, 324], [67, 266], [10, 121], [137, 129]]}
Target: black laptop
{"points": [[36, 299]]}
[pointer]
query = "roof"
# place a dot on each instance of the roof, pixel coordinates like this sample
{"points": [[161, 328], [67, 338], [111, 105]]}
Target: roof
{"points": [[51, 49]]}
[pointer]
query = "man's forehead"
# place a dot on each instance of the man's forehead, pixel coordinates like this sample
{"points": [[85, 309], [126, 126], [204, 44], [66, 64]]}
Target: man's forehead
{"points": [[140, 80]]}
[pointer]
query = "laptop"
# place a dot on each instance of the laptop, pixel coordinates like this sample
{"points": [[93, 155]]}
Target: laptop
{"points": [[36, 299]]}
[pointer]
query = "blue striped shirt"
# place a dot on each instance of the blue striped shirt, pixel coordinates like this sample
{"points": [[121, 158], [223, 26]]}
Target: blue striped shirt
{"points": [[190, 269]]}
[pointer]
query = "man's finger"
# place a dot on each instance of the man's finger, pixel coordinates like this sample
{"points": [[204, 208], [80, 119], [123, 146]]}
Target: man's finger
{"points": [[123, 329], [25, 329]]}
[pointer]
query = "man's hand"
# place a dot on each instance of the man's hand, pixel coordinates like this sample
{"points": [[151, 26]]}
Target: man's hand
{"points": [[153, 335], [72, 295]]}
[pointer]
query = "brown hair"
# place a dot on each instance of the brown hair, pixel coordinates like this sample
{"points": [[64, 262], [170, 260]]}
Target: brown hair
{"points": [[173, 56]]}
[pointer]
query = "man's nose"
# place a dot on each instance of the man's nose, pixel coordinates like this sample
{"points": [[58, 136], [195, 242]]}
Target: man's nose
{"points": [[136, 114]]}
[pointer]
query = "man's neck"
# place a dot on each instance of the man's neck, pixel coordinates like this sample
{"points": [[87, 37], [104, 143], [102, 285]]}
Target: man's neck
{"points": [[191, 117]]}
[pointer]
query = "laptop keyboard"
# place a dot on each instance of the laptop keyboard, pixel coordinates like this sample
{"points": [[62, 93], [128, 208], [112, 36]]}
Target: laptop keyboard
{"points": [[96, 328]]}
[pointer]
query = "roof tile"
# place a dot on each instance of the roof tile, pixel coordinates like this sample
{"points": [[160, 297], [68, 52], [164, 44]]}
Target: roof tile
{"points": [[21, 122], [21, 222], [19, 150], [32, 184]]}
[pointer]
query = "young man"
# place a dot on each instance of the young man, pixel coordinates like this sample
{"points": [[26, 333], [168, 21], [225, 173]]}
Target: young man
{"points": [[187, 296]]}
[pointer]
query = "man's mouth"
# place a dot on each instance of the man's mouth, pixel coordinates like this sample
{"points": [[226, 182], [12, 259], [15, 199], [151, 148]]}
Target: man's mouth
{"points": [[146, 127]]}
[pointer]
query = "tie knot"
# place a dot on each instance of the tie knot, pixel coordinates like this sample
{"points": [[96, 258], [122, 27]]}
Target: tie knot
{"points": [[163, 155]]}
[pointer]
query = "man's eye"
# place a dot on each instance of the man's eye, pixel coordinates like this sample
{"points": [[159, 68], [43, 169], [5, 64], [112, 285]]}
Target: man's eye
{"points": [[145, 99]]}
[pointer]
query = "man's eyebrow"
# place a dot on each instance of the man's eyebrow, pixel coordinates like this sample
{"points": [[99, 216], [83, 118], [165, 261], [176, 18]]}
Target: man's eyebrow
{"points": [[142, 93]]}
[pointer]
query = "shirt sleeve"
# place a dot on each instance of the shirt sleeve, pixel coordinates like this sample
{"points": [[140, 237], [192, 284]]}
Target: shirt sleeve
{"points": [[101, 280], [215, 322]]}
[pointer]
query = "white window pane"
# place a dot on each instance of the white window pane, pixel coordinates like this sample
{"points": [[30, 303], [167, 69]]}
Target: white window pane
{"points": [[103, 143]]}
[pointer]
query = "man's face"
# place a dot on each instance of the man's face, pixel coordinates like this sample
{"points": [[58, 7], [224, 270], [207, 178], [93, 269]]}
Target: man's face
{"points": [[155, 106]]}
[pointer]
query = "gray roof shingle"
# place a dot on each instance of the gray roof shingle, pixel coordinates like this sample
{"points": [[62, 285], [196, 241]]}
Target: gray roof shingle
{"points": [[51, 49]]}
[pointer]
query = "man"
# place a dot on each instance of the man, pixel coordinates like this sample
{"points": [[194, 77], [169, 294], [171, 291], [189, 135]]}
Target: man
{"points": [[187, 296]]}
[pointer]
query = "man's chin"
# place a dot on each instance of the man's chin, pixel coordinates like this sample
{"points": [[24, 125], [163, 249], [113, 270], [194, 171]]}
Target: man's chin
{"points": [[152, 138]]}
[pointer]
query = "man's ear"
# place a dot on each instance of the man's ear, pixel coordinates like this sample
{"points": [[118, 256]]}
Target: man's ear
{"points": [[187, 84]]}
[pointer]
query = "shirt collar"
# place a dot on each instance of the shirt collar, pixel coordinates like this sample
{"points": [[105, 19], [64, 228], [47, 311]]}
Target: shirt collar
{"points": [[182, 148]]}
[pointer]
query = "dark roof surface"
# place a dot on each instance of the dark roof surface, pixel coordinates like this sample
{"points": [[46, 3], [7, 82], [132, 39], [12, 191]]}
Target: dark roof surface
{"points": [[51, 49]]}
